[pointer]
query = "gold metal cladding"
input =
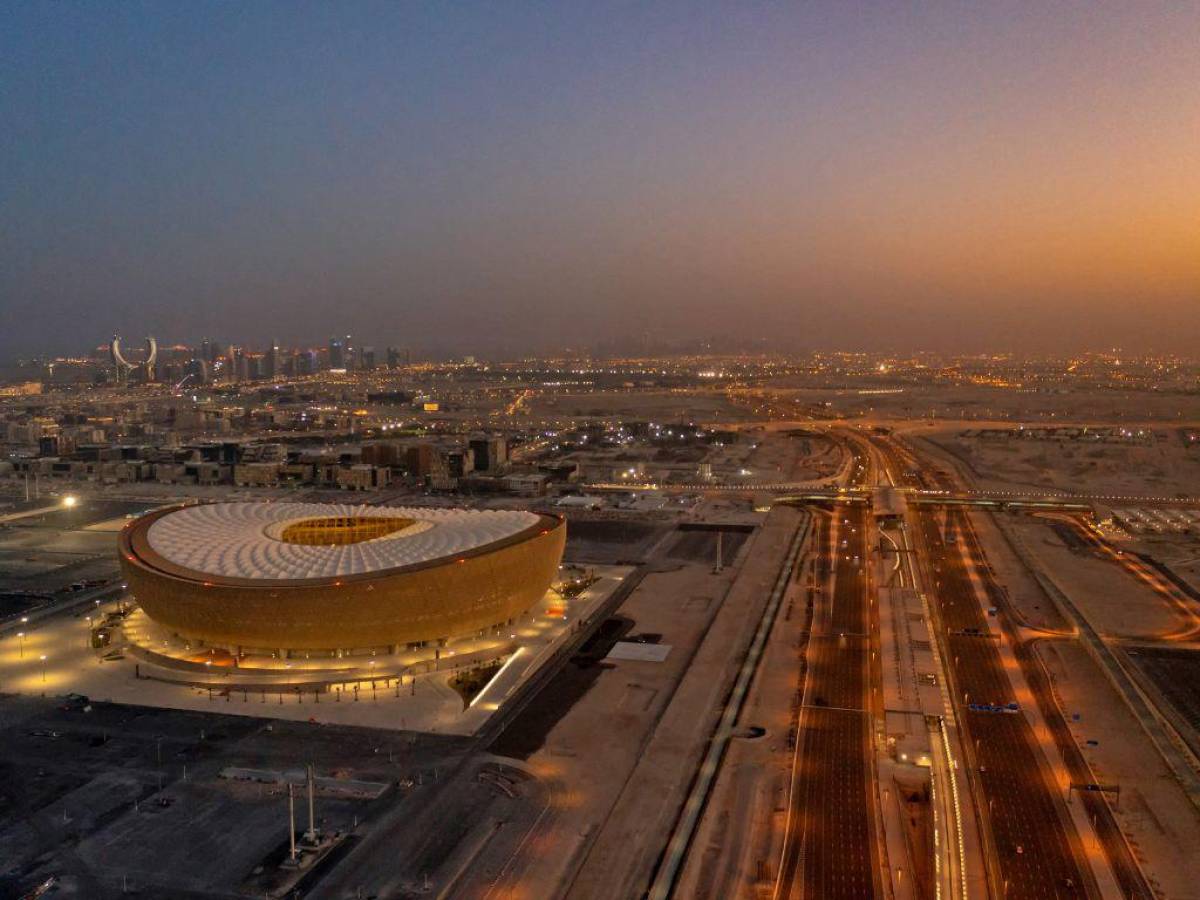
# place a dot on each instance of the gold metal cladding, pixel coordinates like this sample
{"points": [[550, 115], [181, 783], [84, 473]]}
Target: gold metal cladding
{"points": [[447, 597], [332, 531]]}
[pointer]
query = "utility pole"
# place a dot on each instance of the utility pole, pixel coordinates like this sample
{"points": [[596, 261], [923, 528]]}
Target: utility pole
{"points": [[311, 834], [719, 567], [291, 823]]}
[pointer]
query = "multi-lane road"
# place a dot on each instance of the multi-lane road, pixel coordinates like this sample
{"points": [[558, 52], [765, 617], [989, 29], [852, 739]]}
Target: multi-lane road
{"points": [[1032, 848], [1124, 867], [829, 842]]}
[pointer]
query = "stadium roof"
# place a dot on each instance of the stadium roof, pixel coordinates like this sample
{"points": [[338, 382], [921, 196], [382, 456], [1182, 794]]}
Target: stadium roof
{"points": [[283, 541]]}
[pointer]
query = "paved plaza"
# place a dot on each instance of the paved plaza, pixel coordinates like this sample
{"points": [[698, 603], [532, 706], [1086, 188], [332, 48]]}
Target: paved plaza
{"points": [[408, 691]]}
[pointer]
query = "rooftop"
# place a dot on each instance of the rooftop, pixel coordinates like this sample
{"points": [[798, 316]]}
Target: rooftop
{"points": [[260, 540]]}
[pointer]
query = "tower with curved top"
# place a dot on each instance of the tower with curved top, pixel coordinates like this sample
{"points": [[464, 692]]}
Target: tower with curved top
{"points": [[124, 366]]}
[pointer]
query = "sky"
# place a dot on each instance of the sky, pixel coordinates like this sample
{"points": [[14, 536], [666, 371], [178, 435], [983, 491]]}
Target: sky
{"points": [[505, 178]]}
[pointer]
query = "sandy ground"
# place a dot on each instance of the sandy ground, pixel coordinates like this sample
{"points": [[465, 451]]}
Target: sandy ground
{"points": [[779, 457], [732, 846], [1162, 826], [108, 525], [1114, 602], [646, 808], [1025, 594], [640, 798], [1163, 468], [661, 406], [1180, 553], [611, 711], [933, 402]]}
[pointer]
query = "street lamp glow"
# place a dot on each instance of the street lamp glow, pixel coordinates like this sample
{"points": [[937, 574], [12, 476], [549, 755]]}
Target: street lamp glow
{"points": [[69, 501]]}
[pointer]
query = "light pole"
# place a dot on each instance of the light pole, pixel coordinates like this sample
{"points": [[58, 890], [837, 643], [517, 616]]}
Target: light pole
{"points": [[21, 638], [43, 658]]}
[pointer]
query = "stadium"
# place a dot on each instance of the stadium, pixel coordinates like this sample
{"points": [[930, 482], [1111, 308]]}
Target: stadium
{"points": [[320, 579]]}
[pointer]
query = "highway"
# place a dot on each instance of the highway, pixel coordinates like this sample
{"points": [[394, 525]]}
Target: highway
{"points": [[60, 605], [1125, 868], [952, 864], [1033, 846], [1033, 849], [918, 491], [829, 843]]}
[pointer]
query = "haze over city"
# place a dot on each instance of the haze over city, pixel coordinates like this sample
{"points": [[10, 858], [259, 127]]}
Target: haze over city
{"points": [[505, 180], [542, 451]]}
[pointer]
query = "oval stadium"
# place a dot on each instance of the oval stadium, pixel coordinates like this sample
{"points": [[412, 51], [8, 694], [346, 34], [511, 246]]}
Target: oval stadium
{"points": [[273, 578]]}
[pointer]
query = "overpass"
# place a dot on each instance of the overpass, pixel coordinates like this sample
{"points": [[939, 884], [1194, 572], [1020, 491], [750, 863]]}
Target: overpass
{"points": [[807, 493]]}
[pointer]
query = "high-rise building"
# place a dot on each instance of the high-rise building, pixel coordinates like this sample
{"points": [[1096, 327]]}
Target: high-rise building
{"points": [[272, 363], [337, 354], [368, 358], [197, 369], [239, 364], [397, 357]]}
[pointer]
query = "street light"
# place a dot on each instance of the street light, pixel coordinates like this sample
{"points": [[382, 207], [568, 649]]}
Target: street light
{"points": [[43, 668], [21, 636], [69, 501]]}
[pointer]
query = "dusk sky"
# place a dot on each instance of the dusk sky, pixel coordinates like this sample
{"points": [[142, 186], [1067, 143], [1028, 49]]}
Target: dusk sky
{"points": [[508, 177]]}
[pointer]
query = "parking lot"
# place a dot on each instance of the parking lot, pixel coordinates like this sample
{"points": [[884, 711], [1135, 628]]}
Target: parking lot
{"points": [[131, 796]]}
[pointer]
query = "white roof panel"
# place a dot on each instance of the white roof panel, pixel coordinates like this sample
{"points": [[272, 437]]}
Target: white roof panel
{"points": [[639, 652], [242, 540]]}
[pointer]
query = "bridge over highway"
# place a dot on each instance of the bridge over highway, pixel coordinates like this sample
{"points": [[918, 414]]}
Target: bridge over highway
{"points": [[803, 493]]}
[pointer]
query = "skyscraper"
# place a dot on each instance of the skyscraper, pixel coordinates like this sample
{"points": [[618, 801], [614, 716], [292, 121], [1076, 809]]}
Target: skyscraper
{"points": [[239, 369], [272, 366], [337, 354], [197, 368]]}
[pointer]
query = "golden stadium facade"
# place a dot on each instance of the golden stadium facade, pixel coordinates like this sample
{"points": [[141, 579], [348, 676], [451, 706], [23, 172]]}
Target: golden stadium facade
{"points": [[261, 577]]}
